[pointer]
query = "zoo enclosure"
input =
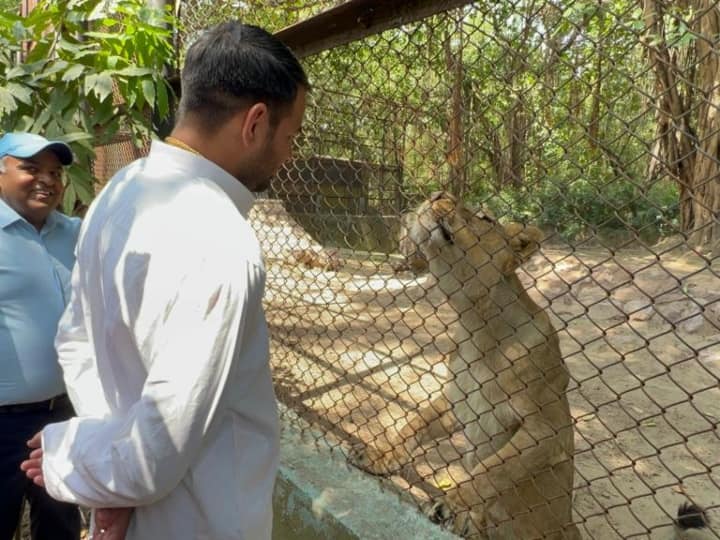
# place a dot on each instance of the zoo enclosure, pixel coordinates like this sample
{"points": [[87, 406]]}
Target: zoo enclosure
{"points": [[595, 119]]}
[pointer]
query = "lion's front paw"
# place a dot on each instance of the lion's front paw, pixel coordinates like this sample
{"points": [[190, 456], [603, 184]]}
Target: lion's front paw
{"points": [[439, 512], [374, 461], [458, 519]]}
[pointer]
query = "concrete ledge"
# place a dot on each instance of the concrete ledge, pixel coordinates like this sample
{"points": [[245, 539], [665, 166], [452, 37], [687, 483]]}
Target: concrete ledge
{"points": [[318, 496]]}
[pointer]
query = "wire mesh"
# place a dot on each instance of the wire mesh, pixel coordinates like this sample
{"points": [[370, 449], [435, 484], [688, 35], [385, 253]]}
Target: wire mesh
{"points": [[195, 15], [595, 121], [111, 157]]}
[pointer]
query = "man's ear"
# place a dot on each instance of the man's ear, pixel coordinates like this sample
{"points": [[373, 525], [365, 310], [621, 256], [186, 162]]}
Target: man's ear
{"points": [[255, 124], [524, 240]]}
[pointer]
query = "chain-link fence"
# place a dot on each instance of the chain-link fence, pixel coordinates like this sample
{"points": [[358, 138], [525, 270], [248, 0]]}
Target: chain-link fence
{"points": [[595, 121]]}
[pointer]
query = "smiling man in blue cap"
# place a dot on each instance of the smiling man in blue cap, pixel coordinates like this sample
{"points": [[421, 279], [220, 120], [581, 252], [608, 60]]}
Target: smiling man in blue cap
{"points": [[31, 175], [37, 246]]}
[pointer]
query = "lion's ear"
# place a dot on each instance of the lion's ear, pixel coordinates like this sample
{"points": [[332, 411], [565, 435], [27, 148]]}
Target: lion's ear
{"points": [[524, 240]]}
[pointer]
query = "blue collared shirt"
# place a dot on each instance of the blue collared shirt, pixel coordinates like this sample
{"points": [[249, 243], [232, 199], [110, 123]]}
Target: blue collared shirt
{"points": [[35, 269]]}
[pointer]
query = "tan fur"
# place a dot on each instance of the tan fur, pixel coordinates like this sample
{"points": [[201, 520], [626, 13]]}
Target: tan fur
{"points": [[414, 260], [324, 260], [508, 392]]}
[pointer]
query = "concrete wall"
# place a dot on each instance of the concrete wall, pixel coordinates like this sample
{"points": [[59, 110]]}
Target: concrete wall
{"points": [[318, 497]]}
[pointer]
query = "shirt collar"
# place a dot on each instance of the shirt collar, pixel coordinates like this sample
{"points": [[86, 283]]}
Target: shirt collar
{"points": [[198, 165], [8, 216], [51, 222]]}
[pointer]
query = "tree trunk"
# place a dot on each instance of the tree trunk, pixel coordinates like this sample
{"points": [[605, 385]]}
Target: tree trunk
{"points": [[674, 136], [516, 125], [495, 152], [399, 135], [594, 123], [705, 202], [26, 6], [691, 155], [455, 149]]}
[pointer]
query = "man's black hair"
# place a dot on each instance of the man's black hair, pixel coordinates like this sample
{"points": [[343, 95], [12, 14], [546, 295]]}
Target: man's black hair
{"points": [[232, 65]]}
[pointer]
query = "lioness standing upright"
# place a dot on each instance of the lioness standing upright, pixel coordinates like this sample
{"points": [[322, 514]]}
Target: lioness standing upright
{"points": [[508, 385]]}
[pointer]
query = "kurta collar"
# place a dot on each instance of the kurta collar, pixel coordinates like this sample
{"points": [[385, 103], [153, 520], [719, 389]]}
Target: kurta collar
{"points": [[197, 165]]}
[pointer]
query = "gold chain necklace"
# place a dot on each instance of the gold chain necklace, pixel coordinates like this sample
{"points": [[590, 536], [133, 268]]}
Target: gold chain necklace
{"points": [[172, 141]]}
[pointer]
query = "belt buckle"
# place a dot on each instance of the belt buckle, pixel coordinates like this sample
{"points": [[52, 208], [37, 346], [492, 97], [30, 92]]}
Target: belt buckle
{"points": [[51, 405]]}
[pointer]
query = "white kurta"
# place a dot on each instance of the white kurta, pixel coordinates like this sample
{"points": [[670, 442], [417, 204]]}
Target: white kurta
{"points": [[164, 349]]}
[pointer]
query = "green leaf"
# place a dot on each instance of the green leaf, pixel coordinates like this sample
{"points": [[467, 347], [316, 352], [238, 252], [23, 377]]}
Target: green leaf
{"points": [[8, 18], [12, 73], [162, 105], [148, 88], [53, 129], [103, 114], [87, 144], [73, 72], [65, 45], [69, 197], [131, 98], [19, 31], [75, 137], [60, 99], [134, 71], [113, 60], [20, 92], [65, 86], [39, 52], [99, 84], [55, 67], [30, 68], [24, 123], [685, 39], [83, 54], [7, 101], [104, 87], [110, 36], [89, 84], [84, 189], [41, 120]]}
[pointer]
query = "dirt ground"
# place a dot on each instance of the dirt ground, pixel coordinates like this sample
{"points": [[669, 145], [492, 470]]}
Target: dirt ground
{"points": [[354, 350]]}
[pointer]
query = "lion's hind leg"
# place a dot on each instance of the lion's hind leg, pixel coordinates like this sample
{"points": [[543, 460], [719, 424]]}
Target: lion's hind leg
{"points": [[526, 485]]}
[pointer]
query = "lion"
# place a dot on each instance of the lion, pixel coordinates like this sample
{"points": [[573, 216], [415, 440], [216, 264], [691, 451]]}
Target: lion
{"points": [[508, 385], [413, 259]]}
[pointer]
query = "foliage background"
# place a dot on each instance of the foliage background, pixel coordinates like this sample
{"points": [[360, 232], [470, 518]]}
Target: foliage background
{"points": [[544, 111], [553, 112], [89, 78]]}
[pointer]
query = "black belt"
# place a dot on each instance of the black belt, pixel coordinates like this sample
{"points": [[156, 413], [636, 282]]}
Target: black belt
{"points": [[58, 402]]}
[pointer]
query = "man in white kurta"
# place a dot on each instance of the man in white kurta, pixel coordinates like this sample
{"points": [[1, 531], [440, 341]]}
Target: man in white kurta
{"points": [[164, 346], [166, 330]]}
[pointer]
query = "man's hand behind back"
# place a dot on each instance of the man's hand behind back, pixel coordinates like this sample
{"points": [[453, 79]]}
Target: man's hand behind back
{"points": [[33, 465], [111, 523]]}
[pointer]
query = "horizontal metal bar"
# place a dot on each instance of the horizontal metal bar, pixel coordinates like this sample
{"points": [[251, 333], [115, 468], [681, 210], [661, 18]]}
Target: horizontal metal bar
{"points": [[358, 19]]}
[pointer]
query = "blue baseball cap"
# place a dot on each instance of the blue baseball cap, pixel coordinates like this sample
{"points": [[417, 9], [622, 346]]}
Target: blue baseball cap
{"points": [[25, 145]]}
